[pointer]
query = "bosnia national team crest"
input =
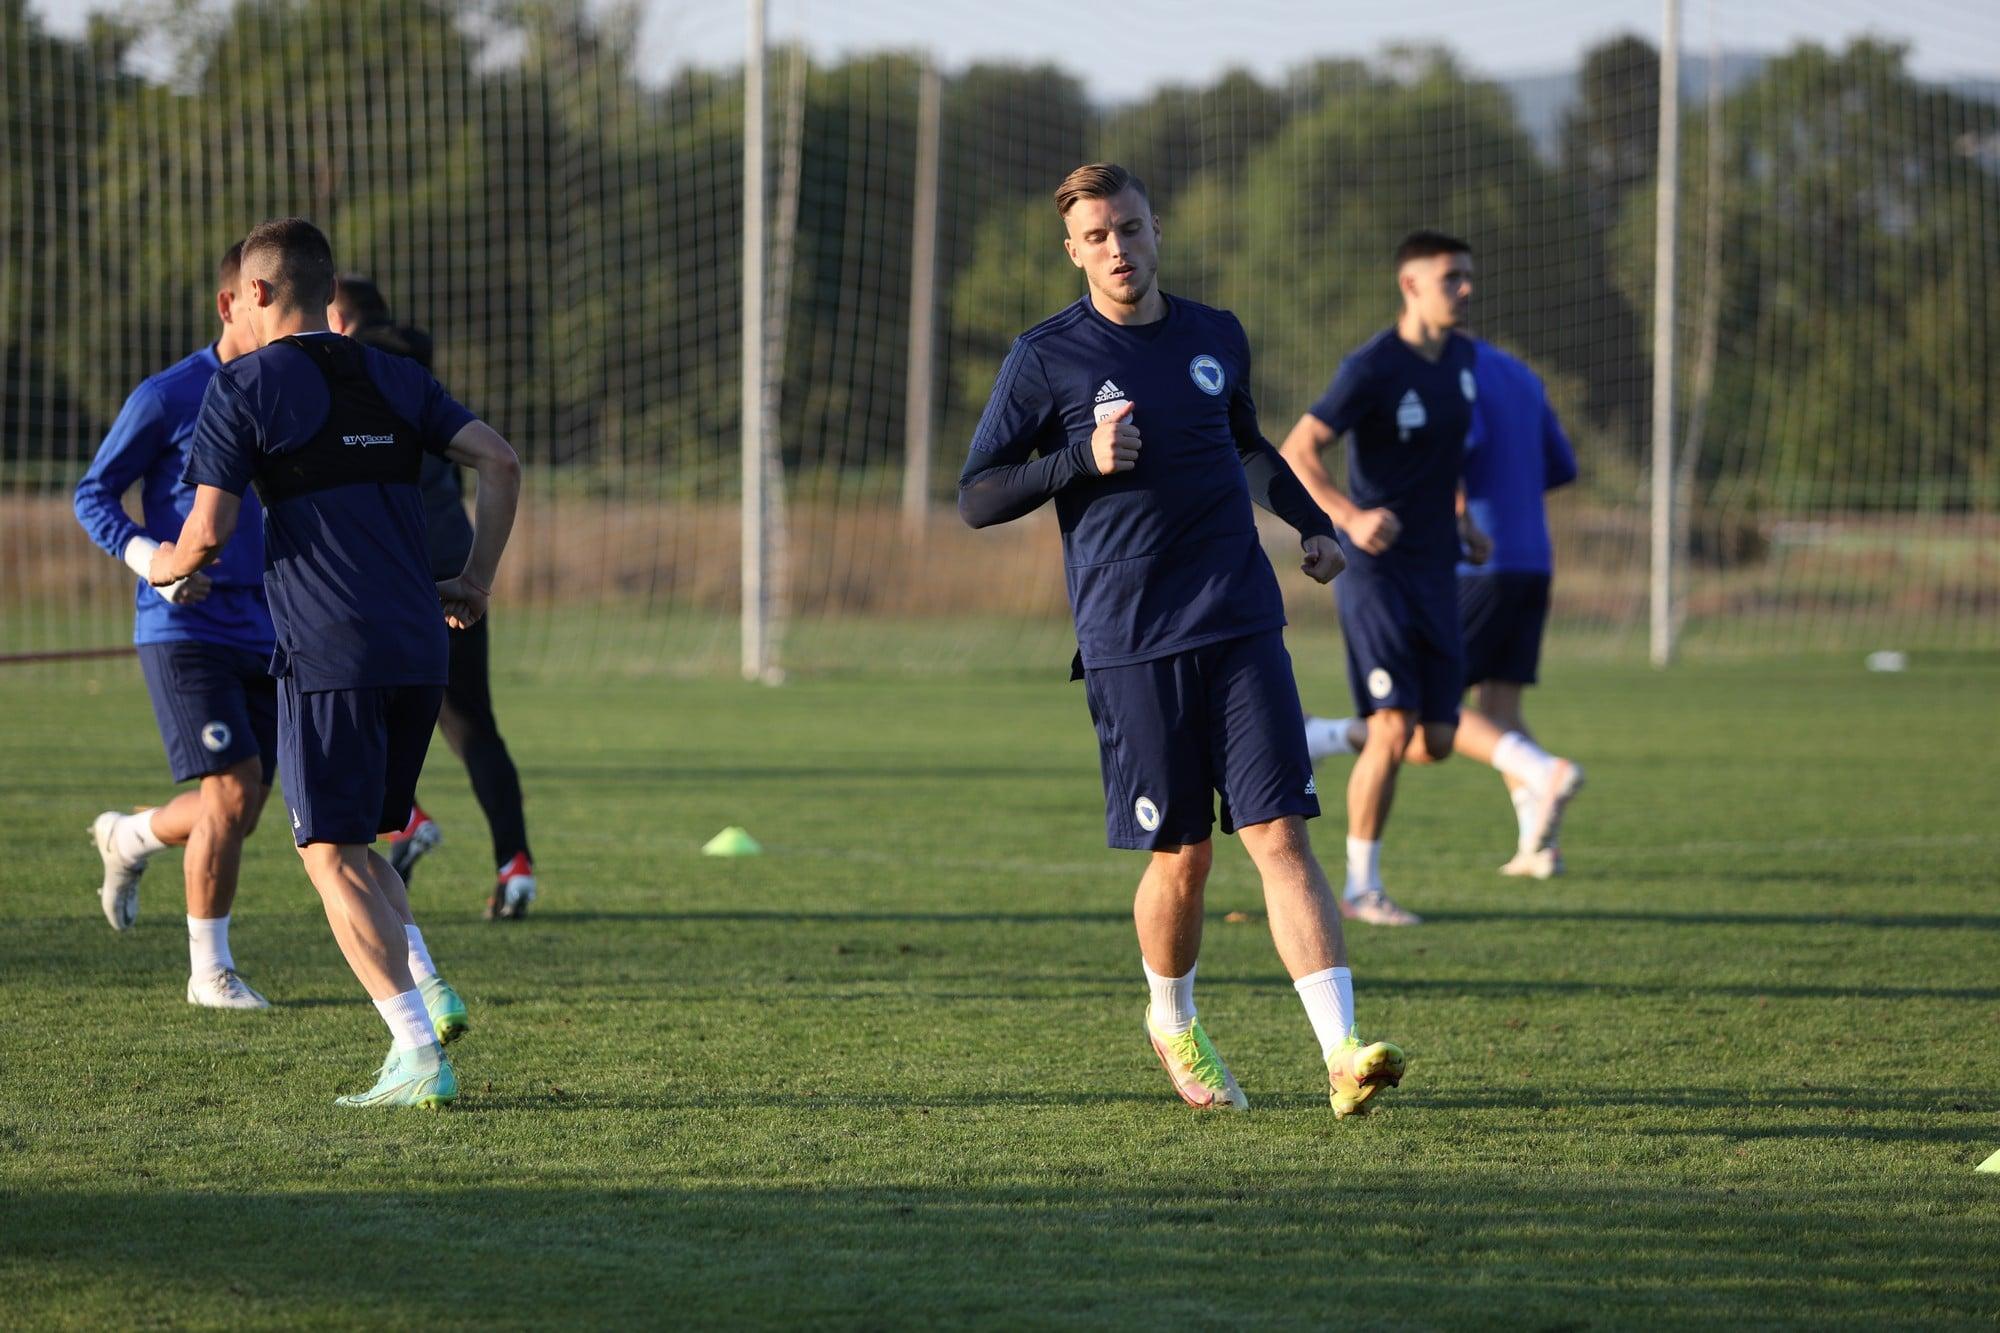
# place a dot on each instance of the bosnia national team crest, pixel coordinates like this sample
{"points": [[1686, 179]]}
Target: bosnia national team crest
{"points": [[1467, 386], [1206, 372], [1146, 813], [216, 737], [1379, 683]]}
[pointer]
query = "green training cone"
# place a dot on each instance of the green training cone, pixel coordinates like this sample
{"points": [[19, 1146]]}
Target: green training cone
{"points": [[1991, 1164], [732, 841]]}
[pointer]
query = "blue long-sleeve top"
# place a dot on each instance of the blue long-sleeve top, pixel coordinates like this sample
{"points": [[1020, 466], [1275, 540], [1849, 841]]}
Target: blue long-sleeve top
{"points": [[1515, 451], [148, 443], [1165, 557]]}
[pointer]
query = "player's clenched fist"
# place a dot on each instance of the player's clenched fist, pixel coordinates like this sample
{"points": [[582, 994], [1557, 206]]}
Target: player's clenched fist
{"points": [[1114, 445]]}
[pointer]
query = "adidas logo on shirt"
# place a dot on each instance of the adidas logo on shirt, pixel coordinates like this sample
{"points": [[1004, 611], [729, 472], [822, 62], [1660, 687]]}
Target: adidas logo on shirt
{"points": [[1108, 391], [1109, 399]]}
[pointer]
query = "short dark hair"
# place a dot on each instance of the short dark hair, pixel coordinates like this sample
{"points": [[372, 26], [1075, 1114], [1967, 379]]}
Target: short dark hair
{"points": [[1427, 244], [229, 266], [1097, 180], [360, 301], [303, 279]]}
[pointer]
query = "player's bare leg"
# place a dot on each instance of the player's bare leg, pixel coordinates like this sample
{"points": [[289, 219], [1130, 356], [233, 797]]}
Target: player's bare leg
{"points": [[1167, 912], [1539, 784], [1371, 791], [1305, 927], [446, 1009], [367, 920], [211, 822]]}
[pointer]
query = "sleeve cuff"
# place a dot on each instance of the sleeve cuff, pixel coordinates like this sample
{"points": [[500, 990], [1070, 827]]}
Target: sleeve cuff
{"points": [[139, 555]]}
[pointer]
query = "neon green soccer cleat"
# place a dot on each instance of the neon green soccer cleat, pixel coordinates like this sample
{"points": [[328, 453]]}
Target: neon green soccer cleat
{"points": [[1356, 1072], [420, 1076], [447, 1011], [1199, 1075]]}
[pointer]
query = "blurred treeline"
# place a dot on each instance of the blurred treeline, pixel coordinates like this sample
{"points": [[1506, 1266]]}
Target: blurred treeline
{"points": [[569, 225]]}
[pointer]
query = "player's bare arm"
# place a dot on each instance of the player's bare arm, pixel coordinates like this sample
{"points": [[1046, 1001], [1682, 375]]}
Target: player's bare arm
{"points": [[481, 448], [210, 523], [1478, 546], [1373, 530]]}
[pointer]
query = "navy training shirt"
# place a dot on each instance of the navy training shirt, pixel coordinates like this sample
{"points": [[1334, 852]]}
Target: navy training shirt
{"points": [[346, 567], [1165, 557], [1516, 451], [1407, 419], [148, 443]]}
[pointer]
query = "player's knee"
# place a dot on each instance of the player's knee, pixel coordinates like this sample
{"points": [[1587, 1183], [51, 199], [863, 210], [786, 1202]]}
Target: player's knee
{"points": [[1390, 730], [1185, 872], [1439, 738], [230, 801]]}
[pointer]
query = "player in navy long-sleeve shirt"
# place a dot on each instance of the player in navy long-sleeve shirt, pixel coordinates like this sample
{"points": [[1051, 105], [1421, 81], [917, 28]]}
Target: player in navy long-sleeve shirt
{"points": [[1514, 454], [332, 436], [204, 646], [1131, 410]]}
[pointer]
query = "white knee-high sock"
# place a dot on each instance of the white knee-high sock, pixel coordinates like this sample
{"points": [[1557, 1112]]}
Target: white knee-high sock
{"points": [[1522, 759], [409, 1022], [1173, 1000], [1327, 736], [1329, 1000], [1524, 812], [1364, 866], [421, 966], [133, 837], [208, 946]]}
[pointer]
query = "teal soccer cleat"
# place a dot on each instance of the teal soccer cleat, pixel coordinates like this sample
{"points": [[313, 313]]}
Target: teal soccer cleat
{"points": [[420, 1076], [447, 1011]]}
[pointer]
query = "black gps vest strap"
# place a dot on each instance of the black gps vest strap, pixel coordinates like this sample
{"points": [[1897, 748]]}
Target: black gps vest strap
{"points": [[362, 440]]}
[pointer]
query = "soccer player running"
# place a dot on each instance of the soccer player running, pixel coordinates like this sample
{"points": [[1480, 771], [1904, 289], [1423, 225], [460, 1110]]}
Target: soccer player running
{"points": [[1516, 452], [331, 434], [1405, 400], [360, 311], [1132, 410], [204, 645]]}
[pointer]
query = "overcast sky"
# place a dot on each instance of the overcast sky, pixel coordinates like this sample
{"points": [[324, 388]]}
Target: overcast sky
{"points": [[1122, 48]]}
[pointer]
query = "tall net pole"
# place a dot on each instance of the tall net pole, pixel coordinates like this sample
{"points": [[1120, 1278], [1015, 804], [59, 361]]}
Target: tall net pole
{"points": [[923, 306], [1665, 231], [756, 593]]}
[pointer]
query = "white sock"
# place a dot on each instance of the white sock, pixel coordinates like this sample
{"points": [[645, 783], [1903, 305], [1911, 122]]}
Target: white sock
{"points": [[1328, 736], [1173, 1000], [1329, 1001], [132, 837], [1364, 866], [208, 946], [409, 1022], [421, 966], [1524, 812], [1523, 760]]}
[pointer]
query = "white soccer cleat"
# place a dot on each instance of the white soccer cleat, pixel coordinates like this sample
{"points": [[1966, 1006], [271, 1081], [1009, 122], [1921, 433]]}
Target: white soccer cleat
{"points": [[513, 890], [1565, 781], [1535, 863], [1377, 909], [224, 990], [120, 894]]}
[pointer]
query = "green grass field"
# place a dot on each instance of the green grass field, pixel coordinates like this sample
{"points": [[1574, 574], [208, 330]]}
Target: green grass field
{"points": [[1736, 1068]]}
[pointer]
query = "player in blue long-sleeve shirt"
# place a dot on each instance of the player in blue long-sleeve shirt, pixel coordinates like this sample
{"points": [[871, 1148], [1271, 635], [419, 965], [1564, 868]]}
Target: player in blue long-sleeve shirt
{"points": [[204, 645], [1515, 453], [1131, 410]]}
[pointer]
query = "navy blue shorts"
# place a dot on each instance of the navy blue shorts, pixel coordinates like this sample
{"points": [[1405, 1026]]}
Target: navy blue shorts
{"points": [[217, 706], [1402, 644], [1174, 732], [1501, 617], [350, 758]]}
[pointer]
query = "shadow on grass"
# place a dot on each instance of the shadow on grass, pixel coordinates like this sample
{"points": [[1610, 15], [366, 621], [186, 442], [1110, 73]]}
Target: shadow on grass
{"points": [[1467, 1246], [1591, 916]]}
